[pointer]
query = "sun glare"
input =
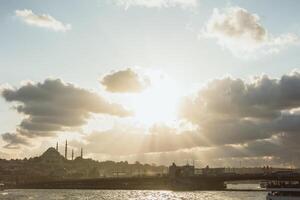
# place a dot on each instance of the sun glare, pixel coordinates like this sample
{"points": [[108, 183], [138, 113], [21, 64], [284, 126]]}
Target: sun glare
{"points": [[157, 104]]}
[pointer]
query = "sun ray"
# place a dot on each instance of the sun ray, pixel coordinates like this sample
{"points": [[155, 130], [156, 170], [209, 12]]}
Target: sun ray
{"points": [[157, 104]]}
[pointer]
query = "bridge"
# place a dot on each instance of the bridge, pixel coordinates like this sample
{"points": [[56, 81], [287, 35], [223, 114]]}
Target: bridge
{"points": [[256, 177], [200, 182]]}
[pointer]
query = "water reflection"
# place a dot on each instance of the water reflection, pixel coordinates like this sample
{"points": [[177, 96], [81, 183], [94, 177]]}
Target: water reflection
{"points": [[127, 195]]}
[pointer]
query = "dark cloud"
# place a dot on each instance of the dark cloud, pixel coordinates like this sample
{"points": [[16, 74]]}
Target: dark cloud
{"points": [[13, 140], [234, 112], [53, 106], [125, 81], [284, 148], [227, 98]]}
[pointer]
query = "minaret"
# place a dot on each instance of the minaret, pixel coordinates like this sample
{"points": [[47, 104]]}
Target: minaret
{"points": [[72, 154], [66, 150], [56, 146], [81, 153]]}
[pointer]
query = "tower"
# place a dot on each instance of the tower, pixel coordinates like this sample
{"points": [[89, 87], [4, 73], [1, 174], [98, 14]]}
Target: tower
{"points": [[66, 150], [72, 154], [56, 146], [81, 153]]}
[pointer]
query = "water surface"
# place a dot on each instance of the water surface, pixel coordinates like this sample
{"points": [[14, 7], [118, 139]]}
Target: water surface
{"points": [[127, 195]]}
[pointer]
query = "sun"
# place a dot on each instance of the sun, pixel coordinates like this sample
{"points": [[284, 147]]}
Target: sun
{"points": [[158, 103]]}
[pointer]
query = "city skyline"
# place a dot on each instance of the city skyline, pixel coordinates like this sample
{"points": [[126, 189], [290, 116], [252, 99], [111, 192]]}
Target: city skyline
{"points": [[152, 81]]}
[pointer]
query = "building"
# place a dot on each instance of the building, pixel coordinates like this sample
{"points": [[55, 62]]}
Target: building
{"points": [[213, 171], [181, 171]]}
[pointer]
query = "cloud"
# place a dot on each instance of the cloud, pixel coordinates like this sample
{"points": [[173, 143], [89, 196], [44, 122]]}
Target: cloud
{"points": [[228, 98], [54, 105], [162, 138], [132, 140], [255, 121], [226, 121], [43, 20], [13, 140], [125, 81], [157, 3], [262, 111], [243, 34]]}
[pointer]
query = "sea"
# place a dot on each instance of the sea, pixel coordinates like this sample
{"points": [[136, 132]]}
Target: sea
{"points": [[33, 194]]}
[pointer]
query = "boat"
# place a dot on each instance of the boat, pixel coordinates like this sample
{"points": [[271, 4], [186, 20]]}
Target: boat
{"points": [[283, 191]]}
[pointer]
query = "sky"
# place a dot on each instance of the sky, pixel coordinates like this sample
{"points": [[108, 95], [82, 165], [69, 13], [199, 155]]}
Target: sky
{"points": [[153, 81]]}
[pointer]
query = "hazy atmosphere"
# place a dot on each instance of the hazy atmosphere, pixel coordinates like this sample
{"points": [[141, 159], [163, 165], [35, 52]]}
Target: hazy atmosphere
{"points": [[214, 82]]}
